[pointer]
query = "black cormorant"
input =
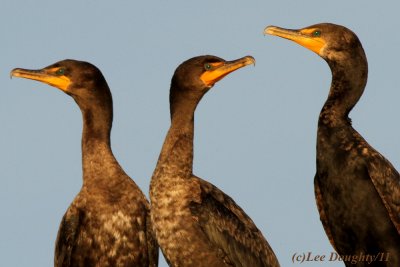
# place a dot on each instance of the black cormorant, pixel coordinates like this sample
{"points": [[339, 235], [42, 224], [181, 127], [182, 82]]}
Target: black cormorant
{"points": [[357, 190], [108, 222], [195, 223]]}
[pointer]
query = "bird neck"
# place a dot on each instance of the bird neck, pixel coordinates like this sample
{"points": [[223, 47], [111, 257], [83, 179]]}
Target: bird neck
{"points": [[97, 157], [349, 78], [177, 151]]}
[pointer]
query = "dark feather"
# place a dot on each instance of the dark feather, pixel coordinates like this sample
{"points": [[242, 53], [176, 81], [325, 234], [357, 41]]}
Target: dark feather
{"points": [[386, 180], [321, 210], [229, 228]]}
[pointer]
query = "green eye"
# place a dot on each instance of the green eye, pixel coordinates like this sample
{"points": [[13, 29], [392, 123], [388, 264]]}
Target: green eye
{"points": [[207, 66], [316, 33], [60, 71]]}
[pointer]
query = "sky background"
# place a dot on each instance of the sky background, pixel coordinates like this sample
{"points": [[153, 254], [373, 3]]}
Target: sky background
{"points": [[255, 131]]}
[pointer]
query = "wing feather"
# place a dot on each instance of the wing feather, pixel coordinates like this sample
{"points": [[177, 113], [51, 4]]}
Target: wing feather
{"points": [[387, 182], [321, 210], [229, 228], [66, 239]]}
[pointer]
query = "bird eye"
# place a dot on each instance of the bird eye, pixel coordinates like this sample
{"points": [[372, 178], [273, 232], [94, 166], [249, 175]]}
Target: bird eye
{"points": [[207, 66], [316, 33], [60, 71]]}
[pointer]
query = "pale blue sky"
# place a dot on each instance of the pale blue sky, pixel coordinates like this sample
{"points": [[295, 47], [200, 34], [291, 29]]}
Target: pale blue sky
{"points": [[255, 130]]}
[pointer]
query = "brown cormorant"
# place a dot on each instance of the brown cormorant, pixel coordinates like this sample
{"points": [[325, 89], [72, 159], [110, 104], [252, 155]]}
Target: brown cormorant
{"points": [[108, 222], [195, 223], [357, 190]]}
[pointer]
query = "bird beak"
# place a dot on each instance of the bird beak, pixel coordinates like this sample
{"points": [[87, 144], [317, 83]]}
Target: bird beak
{"points": [[220, 70], [302, 37], [44, 75]]}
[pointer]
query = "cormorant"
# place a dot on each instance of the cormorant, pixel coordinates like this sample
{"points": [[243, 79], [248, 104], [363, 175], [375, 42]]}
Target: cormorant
{"points": [[108, 223], [195, 223], [357, 190]]}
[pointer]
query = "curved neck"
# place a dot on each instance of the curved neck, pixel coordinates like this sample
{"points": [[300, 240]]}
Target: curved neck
{"points": [[97, 157], [349, 78], [177, 151]]}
